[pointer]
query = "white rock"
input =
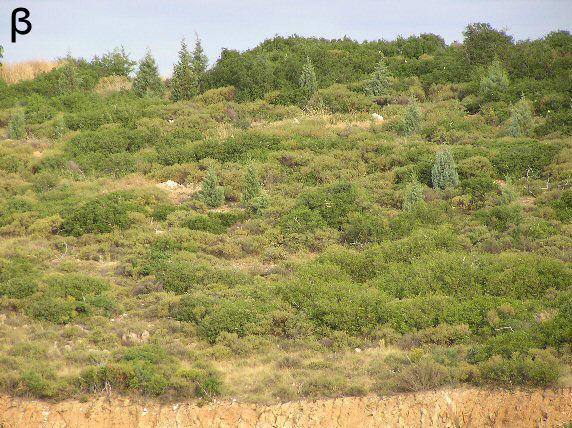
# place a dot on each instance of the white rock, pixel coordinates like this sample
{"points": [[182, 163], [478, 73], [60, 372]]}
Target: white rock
{"points": [[377, 117]]}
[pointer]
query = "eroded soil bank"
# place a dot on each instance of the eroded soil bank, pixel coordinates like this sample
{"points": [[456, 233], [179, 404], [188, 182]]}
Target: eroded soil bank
{"points": [[446, 408]]}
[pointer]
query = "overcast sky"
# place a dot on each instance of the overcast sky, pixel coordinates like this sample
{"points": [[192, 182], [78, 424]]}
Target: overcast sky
{"points": [[90, 27]]}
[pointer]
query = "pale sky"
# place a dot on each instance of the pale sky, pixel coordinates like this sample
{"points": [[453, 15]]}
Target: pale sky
{"points": [[90, 27]]}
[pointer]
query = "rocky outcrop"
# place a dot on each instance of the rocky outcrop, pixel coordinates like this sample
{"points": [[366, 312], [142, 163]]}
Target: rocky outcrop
{"points": [[467, 407]]}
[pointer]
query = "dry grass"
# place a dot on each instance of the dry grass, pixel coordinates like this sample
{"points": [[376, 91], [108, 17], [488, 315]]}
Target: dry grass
{"points": [[28, 70], [110, 84]]}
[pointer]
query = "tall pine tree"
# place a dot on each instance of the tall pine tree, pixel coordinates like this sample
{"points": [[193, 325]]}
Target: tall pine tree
{"points": [[184, 83], [147, 82]]}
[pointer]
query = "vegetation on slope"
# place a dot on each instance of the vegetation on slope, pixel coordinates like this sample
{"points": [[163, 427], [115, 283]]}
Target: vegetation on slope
{"points": [[269, 238]]}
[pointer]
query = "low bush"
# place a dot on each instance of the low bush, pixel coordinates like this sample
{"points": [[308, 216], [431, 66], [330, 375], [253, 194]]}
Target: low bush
{"points": [[425, 374], [538, 368], [101, 214]]}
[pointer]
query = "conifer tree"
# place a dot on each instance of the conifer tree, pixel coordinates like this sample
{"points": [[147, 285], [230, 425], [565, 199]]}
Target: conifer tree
{"points": [[444, 172], [69, 80], [147, 82], [200, 60], [199, 63], [413, 195], [253, 198], [184, 81], [412, 119], [494, 85], [250, 187], [380, 80], [308, 82], [521, 119], [17, 125], [212, 194]]}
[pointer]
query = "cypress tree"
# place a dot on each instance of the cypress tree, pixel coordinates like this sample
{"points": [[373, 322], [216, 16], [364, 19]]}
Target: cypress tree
{"points": [[212, 194], [69, 80], [184, 81], [413, 195], [253, 198], [308, 82], [380, 80], [147, 82], [494, 85], [199, 63], [412, 119], [444, 171], [521, 119], [17, 125], [250, 187]]}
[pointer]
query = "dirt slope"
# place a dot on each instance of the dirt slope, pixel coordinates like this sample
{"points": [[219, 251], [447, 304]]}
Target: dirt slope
{"points": [[446, 408]]}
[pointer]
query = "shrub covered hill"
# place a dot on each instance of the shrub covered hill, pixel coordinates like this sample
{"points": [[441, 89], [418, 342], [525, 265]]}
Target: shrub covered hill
{"points": [[309, 218]]}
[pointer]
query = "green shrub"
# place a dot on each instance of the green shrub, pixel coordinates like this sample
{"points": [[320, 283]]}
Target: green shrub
{"points": [[63, 297], [537, 369], [54, 309], [207, 382], [213, 222], [557, 331], [136, 375], [362, 228], [180, 274], [339, 99], [40, 382], [563, 206], [425, 374], [478, 188], [101, 214], [475, 166], [301, 220], [19, 288], [80, 287], [333, 203], [502, 217], [330, 300], [517, 158], [216, 316]]}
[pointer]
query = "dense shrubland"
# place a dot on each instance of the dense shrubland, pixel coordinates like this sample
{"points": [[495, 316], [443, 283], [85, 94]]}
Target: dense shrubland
{"points": [[251, 229]]}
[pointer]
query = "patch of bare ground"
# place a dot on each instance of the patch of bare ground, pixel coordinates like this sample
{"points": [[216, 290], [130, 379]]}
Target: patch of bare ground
{"points": [[444, 408]]}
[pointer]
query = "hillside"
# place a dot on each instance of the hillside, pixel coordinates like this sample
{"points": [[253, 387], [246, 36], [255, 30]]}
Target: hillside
{"points": [[307, 219]]}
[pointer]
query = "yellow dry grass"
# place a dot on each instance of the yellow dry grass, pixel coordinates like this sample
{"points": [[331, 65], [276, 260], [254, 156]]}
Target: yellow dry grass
{"points": [[19, 71]]}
